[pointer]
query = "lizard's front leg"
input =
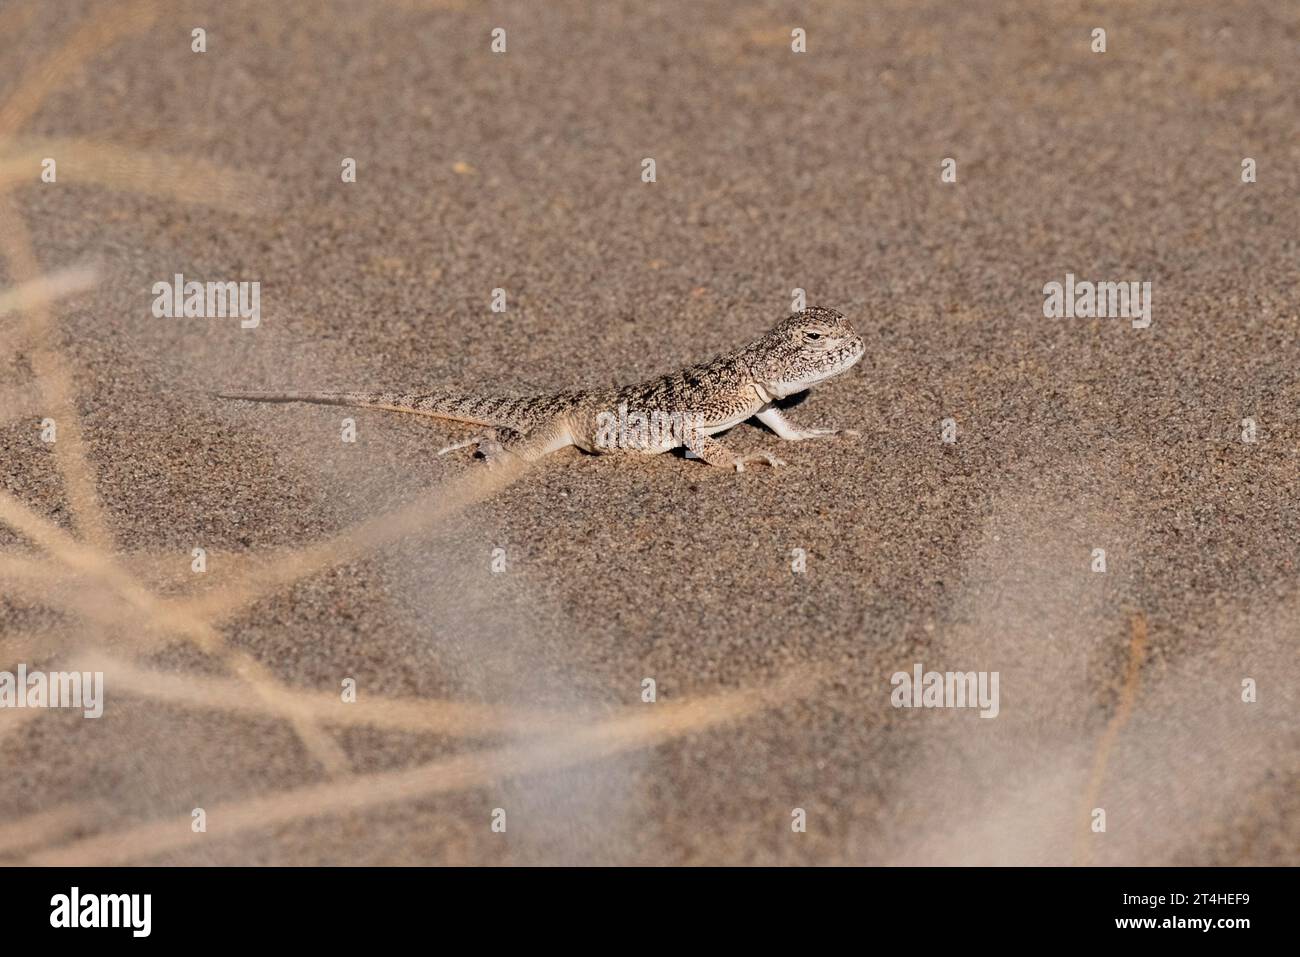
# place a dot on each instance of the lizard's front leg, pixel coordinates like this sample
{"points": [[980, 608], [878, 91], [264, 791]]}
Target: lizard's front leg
{"points": [[714, 452], [787, 430]]}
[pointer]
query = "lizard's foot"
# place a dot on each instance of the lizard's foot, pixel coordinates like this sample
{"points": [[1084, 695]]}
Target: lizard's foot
{"points": [[496, 455], [475, 440], [788, 431], [740, 460], [715, 453], [487, 447], [486, 444], [799, 435]]}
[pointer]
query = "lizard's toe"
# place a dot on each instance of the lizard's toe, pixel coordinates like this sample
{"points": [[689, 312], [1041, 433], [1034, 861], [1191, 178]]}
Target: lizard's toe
{"points": [[804, 434], [767, 457]]}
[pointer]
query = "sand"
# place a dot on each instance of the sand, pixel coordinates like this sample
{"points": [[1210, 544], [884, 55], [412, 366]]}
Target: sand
{"points": [[515, 696]]}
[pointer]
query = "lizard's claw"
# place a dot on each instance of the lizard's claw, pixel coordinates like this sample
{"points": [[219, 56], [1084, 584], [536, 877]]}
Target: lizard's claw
{"points": [[767, 457]]}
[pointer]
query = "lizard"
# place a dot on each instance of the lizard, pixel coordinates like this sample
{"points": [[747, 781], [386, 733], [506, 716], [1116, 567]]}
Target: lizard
{"points": [[698, 401]]}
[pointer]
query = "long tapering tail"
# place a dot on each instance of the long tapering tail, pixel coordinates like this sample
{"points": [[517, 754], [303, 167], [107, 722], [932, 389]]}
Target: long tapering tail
{"points": [[458, 406]]}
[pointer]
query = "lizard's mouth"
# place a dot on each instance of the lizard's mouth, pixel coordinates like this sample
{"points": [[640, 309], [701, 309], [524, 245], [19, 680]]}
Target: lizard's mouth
{"points": [[849, 356], [842, 359]]}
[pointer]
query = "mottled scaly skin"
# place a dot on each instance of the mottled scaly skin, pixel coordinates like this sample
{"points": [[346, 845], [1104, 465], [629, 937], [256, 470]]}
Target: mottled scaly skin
{"points": [[801, 351]]}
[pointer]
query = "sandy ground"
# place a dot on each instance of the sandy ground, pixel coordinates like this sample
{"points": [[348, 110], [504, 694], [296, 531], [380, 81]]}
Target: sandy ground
{"points": [[522, 689]]}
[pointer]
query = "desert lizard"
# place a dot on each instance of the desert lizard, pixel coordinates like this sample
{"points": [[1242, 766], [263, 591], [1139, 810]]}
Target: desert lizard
{"points": [[696, 402]]}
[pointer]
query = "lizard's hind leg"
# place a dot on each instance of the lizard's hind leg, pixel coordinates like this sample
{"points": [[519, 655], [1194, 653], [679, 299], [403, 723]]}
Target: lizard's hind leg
{"points": [[539, 441], [487, 444], [505, 445]]}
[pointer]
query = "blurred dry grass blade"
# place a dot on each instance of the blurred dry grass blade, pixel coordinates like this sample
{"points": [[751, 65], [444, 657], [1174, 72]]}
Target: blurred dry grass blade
{"points": [[417, 715], [261, 578], [46, 289], [54, 379], [1127, 697], [100, 565], [642, 728], [95, 35], [181, 178]]}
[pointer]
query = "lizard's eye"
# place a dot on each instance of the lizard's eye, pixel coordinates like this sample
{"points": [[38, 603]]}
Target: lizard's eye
{"points": [[812, 336]]}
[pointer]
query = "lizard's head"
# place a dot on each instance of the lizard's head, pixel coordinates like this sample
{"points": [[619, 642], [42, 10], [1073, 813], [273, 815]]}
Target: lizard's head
{"points": [[803, 350]]}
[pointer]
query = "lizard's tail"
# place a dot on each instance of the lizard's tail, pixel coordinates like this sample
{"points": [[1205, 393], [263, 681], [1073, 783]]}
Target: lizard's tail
{"points": [[457, 406]]}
